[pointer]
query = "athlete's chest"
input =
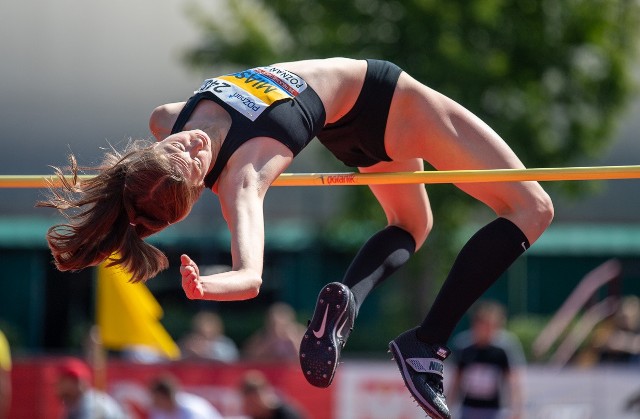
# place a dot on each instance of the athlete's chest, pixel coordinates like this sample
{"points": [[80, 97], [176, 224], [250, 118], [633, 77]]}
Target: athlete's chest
{"points": [[251, 92]]}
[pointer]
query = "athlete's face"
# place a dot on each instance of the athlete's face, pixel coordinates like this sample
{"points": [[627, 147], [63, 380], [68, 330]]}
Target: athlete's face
{"points": [[189, 152]]}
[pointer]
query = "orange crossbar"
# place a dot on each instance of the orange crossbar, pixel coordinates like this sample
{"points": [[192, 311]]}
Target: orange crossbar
{"points": [[428, 177]]}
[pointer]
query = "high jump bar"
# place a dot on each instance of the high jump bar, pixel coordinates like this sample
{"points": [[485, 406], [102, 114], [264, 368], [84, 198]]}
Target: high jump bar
{"points": [[395, 178]]}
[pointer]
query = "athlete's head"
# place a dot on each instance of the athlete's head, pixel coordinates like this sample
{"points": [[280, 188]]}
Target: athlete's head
{"points": [[135, 194], [189, 153]]}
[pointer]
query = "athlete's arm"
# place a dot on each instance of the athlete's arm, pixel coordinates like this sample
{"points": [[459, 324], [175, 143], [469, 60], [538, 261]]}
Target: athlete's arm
{"points": [[241, 203], [162, 119], [241, 189]]}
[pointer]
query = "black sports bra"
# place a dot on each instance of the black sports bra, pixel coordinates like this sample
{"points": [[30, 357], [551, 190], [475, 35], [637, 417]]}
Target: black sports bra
{"points": [[262, 102]]}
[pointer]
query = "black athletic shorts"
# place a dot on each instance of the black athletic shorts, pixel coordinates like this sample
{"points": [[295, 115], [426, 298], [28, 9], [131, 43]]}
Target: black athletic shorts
{"points": [[357, 139]]}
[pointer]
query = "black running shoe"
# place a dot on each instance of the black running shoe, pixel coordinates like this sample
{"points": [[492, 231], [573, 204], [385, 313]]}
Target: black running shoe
{"points": [[327, 334], [421, 366]]}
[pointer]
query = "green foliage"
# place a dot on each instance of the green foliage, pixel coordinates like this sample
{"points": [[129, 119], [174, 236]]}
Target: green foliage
{"points": [[527, 328], [244, 32], [551, 77]]}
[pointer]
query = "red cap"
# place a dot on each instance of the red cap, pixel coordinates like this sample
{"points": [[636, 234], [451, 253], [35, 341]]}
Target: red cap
{"points": [[74, 368]]}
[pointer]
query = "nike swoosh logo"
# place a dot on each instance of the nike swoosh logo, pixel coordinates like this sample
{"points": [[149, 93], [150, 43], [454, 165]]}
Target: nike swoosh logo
{"points": [[524, 246], [344, 323], [320, 331]]}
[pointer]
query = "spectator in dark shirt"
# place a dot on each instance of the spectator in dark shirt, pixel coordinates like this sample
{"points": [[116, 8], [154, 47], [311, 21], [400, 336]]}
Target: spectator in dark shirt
{"points": [[489, 361]]}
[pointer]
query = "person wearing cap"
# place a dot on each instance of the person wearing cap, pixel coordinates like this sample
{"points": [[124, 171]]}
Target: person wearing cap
{"points": [[80, 399]]}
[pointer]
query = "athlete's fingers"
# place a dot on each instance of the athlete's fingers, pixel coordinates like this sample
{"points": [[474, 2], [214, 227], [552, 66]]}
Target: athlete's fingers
{"points": [[188, 271], [186, 261], [191, 284]]}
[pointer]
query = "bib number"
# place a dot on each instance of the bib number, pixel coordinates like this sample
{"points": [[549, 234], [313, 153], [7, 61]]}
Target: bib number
{"points": [[252, 91]]}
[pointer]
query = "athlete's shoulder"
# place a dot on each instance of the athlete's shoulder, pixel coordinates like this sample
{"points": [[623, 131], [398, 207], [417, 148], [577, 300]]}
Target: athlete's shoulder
{"points": [[334, 64]]}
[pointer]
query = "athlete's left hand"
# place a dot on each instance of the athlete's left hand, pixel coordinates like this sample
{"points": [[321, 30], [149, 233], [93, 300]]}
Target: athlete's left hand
{"points": [[191, 283]]}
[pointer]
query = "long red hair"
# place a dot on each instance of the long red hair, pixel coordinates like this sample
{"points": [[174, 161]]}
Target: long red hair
{"points": [[134, 194]]}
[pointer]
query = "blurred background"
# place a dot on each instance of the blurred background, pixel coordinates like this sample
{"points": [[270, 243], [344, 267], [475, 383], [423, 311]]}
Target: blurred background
{"points": [[559, 81]]}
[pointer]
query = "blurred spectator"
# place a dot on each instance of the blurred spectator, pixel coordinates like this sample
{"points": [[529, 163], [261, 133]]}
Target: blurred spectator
{"points": [[260, 400], [5, 377], [279, 339], [138, 353], [617, 340], [169, 402], [489, 363], [80, 400], [632, 404], [143, 354], [207, 340]]}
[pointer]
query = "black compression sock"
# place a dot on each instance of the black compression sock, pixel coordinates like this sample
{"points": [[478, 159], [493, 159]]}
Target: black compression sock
{"points": [[379, 257], [487, 255]]}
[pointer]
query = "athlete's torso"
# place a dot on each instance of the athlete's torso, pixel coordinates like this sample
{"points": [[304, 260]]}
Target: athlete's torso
{"points": [[337, 81], [262, 102], [276, 102]]}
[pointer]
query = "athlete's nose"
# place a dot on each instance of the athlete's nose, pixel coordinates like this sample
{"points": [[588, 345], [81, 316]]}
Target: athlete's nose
{"points": [[196, 143], [201, 136]]}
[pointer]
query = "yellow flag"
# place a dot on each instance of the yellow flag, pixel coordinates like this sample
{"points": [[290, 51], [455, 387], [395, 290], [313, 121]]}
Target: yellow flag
{"points": [[128, 314]]}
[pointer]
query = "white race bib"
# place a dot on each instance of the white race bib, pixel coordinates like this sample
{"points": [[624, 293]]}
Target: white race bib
{"points": [[252, 91]]}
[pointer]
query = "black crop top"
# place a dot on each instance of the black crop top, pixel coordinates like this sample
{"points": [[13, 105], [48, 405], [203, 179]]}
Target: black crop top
{"points": [[262, 102], [272, 102]]}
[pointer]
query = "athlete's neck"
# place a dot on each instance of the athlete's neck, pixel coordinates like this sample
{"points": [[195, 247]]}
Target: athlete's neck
{"points": [[213, 120]]}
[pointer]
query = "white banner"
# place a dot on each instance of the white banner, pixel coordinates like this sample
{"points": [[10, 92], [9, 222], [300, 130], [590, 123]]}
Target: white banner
{"points": [[375, 390]]}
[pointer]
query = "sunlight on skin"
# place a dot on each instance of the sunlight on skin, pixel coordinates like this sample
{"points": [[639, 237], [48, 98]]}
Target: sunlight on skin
{"points": [[189, 152]]}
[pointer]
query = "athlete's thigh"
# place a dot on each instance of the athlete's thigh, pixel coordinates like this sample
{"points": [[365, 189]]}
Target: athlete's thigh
{"points": [[426, 124], [406, 205]]}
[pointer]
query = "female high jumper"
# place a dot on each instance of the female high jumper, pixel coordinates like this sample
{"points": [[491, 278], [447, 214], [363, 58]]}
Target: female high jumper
{"points": [[239, 132]]}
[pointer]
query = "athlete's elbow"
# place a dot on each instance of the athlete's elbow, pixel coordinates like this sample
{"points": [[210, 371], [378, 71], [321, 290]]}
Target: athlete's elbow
{"points": [[158, 122], [253, 288]]}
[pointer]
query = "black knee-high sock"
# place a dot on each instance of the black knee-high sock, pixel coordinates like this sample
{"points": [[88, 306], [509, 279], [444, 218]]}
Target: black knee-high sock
{"points": [[379, 257], [479, 264]]}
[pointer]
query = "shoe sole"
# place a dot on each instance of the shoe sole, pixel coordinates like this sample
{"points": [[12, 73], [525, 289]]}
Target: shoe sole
{"points": [[319, 349], [406, 377]]}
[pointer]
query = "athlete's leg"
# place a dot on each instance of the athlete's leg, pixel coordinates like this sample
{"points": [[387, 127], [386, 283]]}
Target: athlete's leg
{"points": [[409, 222], [425, 123]]}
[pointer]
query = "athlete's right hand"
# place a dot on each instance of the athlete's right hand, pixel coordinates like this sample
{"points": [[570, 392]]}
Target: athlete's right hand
{"points": [[191, 283]]}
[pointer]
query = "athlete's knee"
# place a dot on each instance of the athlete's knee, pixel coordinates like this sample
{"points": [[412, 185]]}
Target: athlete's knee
{"points": [[544, 213], [545, 210], [533, 216], [540, 210], [419, 230]]}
